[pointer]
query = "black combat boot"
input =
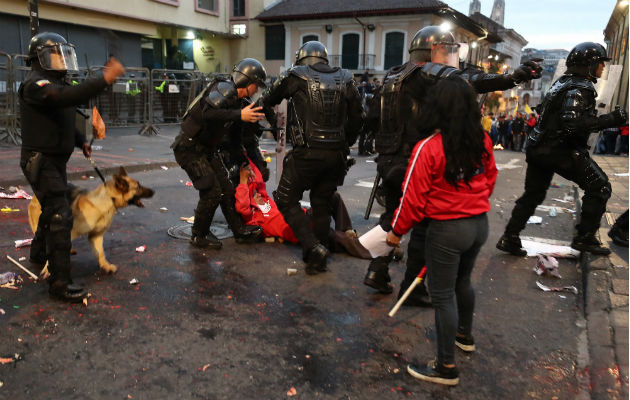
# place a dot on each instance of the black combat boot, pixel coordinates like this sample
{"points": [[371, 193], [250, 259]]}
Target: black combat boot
{"points": [[209, 241], [588, 242], [316, 259], [249, 234], [377, 276], [67, 292], [511, 243]]}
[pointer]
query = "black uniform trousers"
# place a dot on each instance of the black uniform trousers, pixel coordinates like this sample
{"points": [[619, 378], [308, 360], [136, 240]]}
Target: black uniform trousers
{"points": [[573, 164], [320, 171], [392, 169], [210, 177], [52, 237]]}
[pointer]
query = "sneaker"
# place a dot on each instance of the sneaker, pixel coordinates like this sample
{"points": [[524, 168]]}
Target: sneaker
{"points": [[511, 244], [432, 372], [589, 243], [466, 343]]}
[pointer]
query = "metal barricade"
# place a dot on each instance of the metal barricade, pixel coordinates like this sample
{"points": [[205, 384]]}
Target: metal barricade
{"points": [[172, 92], [8, 124], [126, 101]]}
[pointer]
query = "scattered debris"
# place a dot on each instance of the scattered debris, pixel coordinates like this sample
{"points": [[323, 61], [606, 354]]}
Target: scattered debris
{"points": [[535, 219], [18, 194], [130, 150], [547, 264], [190, 220], [556, 185], [553, 212], [8, 360], [536, 246], [164, 167], [85, 299], [270, 239], [141, 249], [134, 281], [291, 271], [544, 288], [2, 312], [205, 367], [622, 174], [292, 392], [7, 209], [396, 370], [97, 148], [163, 209], [268, 159], [189, 183], [23, 243], [32, 275], [22, 258], [497, 146]]}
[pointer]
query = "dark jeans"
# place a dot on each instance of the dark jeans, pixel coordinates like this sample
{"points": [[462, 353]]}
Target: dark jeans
{"points": [[319, 171], [572, 164], [451, 249]]}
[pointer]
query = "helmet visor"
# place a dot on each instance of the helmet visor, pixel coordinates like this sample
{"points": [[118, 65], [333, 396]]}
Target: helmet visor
{"points": [[58, 57], [445, 53]]}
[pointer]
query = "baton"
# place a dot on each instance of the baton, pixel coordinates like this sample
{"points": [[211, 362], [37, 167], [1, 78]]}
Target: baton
{"points": [[368, 210], [410, 289]]}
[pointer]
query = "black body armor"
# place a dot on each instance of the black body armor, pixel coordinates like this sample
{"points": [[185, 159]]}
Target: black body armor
{"points": [[569, 99], [388, 139], [322, 123]]}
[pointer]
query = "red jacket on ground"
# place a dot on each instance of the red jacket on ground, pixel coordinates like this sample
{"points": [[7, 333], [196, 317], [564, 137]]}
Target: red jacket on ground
{"points": [[268, 217], [426, 194]]}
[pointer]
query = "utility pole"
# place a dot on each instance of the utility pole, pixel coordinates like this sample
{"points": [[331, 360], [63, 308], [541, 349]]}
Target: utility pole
{"points": [[33, 17]]}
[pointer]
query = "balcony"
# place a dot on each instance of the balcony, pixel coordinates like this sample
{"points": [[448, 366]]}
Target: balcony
{"points": [[358, 62]]}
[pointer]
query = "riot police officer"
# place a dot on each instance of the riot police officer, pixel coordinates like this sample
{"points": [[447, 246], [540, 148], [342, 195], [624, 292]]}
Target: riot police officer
{"points": [[48, 111], [557, 144], [206, 127], [324, 116], [433, 55]]}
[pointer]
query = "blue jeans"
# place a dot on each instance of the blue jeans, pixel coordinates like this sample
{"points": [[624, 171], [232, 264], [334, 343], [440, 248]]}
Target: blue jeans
{"points": [[451, 249]]}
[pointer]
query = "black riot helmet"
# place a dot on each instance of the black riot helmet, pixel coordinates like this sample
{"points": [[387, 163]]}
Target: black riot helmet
{"points": [[248, 71], [424, 41], [584, 59], [310, 53], [52, 52]]}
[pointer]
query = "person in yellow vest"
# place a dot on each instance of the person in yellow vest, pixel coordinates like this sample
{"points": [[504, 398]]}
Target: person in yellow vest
{"points": [[132, 92]]}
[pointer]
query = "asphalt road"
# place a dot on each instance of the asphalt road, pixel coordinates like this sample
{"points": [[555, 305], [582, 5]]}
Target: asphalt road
{"points": [[231, 324]]}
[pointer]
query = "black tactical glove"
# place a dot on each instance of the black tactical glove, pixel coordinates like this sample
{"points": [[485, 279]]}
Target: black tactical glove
{"points": [[614, 119], [527, 71], [264, 171]]}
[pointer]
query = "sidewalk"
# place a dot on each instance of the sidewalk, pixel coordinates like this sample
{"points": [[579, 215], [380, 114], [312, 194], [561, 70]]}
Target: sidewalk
{"points": [[606, 296], [121, 146]]}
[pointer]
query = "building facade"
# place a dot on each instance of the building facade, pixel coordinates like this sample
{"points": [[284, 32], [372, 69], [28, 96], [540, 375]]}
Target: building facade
{"points": [[616, 37], [365, 35]]}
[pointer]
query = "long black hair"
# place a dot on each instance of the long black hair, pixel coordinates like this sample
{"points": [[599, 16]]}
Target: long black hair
{"points": [[451, 107]]}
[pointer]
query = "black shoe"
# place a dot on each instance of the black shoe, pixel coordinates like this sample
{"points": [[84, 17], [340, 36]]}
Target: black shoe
{"points": [[618, 236], [316, 259], [249, 234], [379, 280], [434, 372], [466, 343], [67, 292], [418, 298], [589, 243], [511, 244], [206, 242]]}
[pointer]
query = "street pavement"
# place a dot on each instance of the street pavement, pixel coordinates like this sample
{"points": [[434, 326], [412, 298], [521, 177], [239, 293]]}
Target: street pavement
{"points": [[233, 324]]}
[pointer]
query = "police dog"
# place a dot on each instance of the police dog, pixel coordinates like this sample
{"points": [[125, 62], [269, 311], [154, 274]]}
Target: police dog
{"points": [[93, 211]]}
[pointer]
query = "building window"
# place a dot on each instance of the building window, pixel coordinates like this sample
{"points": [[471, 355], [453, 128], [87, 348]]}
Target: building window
{"points": [[238, 8], [350, 51], [309, 38], [394, 47], [239, 29], [169, 2], [211, 6], [274, 42]]}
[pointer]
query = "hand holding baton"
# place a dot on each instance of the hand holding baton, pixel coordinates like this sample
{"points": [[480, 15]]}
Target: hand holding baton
{"points": [[410, 289]]}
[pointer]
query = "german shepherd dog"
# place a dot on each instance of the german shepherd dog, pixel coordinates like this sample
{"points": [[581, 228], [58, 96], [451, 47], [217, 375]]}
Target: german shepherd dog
{"points": [[93, 211]]}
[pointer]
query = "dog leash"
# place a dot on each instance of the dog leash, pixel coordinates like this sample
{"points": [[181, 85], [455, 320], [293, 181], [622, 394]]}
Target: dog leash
{"points": [[93, 164]]}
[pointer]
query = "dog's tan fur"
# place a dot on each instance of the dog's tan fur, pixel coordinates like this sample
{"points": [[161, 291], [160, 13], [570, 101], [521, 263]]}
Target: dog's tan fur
{"points": [[94, 211]]}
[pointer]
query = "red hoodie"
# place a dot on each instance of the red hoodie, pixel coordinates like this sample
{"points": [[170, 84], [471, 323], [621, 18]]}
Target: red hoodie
{"points": [[268, 217], [426, 194]]}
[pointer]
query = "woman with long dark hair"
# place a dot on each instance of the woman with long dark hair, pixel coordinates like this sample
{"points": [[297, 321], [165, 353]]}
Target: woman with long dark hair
{"points": [[451, 175]]}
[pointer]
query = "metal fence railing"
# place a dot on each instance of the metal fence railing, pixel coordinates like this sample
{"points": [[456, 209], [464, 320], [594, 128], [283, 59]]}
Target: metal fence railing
{"points": [[140, 98]]}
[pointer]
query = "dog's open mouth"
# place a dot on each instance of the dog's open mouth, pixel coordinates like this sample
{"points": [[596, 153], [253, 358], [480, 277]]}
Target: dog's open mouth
{"points": [[145, 193], [136, 202]]}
